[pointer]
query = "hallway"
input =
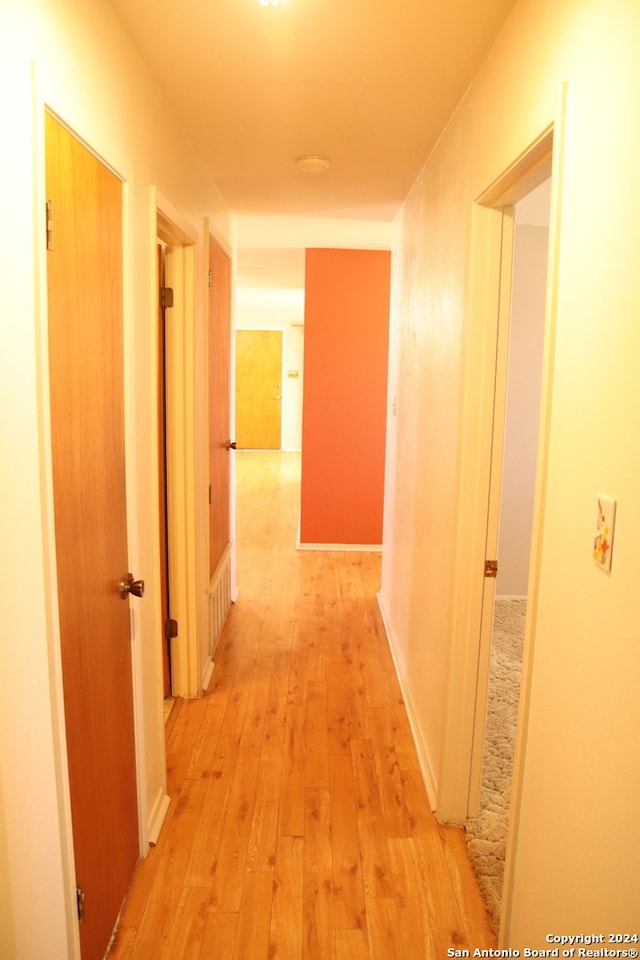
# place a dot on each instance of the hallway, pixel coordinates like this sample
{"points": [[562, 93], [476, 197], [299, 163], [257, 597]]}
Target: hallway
{"points": [[299, 825]]}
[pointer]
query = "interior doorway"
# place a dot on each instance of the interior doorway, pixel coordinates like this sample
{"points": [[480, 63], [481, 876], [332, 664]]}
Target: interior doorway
{"points": [[478, 497], [487, 829]]}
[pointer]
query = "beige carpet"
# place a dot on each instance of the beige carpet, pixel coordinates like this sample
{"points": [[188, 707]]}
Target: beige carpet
{"points": [[487, 833]]}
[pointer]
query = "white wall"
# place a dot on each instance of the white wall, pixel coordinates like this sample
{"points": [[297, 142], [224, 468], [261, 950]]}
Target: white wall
{"points": [[529, 287], [575, 845], [85, 71], [292, 384]]}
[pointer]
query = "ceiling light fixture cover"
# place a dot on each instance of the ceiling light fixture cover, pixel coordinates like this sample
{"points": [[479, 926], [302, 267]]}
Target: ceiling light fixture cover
{"points": [[313, 163], [270, 3]]}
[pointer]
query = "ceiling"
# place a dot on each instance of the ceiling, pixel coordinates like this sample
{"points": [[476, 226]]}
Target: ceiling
{"points": [[367, 83]]}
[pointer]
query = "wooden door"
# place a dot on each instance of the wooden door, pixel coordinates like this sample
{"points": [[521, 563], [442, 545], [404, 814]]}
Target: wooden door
{"points": [[259, 389], [84, 271], [219, 381]]}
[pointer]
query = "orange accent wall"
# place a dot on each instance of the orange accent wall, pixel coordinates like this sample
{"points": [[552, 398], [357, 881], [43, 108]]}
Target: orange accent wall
{"points": [[345, 395]]}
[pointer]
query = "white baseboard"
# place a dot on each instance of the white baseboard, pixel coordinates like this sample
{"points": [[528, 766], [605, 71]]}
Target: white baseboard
{"points": [[426, 768], [342, 547], [206, 674], [156, 819], [338, 547]]}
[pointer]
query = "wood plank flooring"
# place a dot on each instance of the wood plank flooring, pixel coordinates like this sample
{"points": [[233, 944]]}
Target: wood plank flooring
{"points": [[299, 827]]}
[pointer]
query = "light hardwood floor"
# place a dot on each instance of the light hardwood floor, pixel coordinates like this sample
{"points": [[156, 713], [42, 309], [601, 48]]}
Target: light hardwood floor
{"points": [[299, 827]]}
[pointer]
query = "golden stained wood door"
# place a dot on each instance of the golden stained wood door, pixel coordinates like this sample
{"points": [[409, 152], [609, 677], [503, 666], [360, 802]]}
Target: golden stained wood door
{"points": [[219, 386], [84, 272], [259, 389]]}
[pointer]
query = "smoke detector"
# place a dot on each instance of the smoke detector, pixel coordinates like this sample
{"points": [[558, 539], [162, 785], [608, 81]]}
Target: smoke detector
{"points": [[313, 163]]}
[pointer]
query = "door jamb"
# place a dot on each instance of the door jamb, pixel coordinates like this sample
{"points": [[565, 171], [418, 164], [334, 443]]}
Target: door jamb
{"points": [[182, 456]]}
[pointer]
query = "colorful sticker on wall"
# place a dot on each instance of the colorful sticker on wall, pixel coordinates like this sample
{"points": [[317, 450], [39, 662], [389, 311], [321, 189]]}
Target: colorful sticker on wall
{"points": [[603, 540]]}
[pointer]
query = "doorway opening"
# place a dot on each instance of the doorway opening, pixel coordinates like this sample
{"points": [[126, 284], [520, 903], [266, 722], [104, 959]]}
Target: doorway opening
{"points": [[487, 830]]}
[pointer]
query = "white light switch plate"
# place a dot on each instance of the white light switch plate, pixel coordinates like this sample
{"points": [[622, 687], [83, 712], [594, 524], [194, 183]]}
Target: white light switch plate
{"points": [[603, 540]]}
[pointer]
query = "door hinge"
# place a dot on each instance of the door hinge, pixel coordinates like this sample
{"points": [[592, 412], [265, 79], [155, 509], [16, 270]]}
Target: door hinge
{"points": [[170, 629], [50, 244], [491, 568], [210, 494], [210, 280], [166, 297], [80, 903]]}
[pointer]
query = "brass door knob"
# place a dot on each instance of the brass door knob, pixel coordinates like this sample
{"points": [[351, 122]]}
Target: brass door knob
{"points": [[129, 585]]}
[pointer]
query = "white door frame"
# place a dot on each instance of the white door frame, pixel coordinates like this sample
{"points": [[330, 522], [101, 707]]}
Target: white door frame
{"points": [[183, 444]]}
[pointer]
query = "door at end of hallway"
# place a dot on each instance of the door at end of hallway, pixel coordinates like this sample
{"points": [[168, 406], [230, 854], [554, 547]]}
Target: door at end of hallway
{"points": [[259, 389]]}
